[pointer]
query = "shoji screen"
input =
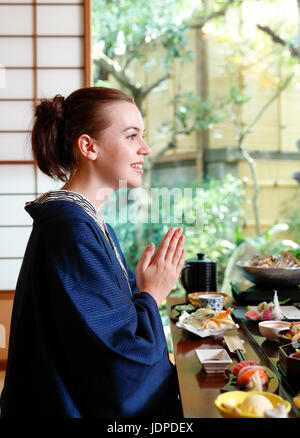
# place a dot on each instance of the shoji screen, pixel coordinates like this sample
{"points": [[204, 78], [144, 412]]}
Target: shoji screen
{"points": [[44, 50]]}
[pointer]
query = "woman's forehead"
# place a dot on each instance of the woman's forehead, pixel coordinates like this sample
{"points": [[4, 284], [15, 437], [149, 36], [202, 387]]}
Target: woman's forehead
{"points": [[125, 115]]}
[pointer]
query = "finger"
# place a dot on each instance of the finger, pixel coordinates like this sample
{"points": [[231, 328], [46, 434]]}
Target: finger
{"points": [[180, 261], [178, 251], [146, 257], [173, 245], [164, 244]]}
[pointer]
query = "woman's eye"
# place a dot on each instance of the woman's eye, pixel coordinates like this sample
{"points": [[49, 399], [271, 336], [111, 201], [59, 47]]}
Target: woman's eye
{"points": [[132, 136]]}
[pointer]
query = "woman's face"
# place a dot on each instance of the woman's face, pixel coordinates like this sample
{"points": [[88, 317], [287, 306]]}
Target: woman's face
{"points": [[121, 147]]}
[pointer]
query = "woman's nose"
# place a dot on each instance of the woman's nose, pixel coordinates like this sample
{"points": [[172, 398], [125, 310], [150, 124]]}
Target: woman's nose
{"points": [[144, 149]]}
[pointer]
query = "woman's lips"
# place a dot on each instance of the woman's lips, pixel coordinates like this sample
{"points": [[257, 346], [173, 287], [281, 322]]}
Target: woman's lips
{"points": [[137, 169]]}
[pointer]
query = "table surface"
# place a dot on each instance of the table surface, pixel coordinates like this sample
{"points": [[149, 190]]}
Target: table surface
{"points": [[199, 390]]}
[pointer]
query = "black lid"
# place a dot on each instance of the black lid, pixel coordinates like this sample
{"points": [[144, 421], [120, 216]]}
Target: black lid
{"points": [[200, 259]]}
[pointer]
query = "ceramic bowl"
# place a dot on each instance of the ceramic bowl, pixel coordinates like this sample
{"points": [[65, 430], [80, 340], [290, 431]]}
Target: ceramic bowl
{"points": [[269, 329], [281, 336], [234, 398], [285, 277], [215, 301], [193, 297], [214, 360]]}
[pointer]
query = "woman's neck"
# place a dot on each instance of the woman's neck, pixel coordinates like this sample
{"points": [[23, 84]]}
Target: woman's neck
{"points": [[96, 193]]}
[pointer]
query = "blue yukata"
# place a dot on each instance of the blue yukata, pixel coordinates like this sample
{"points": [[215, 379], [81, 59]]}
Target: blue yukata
{"points": [[84, 343]]}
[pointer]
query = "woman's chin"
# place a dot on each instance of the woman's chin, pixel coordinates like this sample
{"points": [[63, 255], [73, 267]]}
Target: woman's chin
{"points": [[134, 184]]}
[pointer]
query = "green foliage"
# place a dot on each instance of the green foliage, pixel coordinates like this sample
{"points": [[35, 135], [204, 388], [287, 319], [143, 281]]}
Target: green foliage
{"points": [[270, 243], [214, 234], [291, 213], [129, 26]]}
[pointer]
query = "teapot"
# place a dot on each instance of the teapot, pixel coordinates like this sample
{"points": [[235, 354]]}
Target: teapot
{"points": [[199, 275]]}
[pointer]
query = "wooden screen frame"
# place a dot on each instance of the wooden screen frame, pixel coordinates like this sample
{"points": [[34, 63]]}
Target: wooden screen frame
{"points": [[87, 67]]}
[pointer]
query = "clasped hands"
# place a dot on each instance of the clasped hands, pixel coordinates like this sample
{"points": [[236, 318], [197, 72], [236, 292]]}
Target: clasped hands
{"points": [[157, 274]]}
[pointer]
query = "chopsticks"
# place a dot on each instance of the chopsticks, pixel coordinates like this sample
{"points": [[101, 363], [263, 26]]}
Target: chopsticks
{"points": [[235, 345]]}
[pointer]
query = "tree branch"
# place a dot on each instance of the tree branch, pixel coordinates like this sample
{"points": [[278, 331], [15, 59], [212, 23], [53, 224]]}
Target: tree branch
{"points": [[278, 40], [116, 71], [282, 87], [212, 15], [154, 84]]}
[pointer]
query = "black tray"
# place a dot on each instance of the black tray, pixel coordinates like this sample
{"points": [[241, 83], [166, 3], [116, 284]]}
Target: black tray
{"points": [[254, 295]]}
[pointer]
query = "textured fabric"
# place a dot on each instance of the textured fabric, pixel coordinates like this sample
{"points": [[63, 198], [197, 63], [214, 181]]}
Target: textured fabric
{"points": [[68, 195], [80, 344]]}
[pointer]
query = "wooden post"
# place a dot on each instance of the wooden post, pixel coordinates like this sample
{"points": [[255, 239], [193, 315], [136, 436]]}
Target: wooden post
{"points": [[202, 84], [88, 79]]}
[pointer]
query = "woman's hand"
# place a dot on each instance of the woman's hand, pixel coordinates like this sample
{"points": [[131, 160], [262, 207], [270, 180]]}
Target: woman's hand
{"points": [[159, 274]]}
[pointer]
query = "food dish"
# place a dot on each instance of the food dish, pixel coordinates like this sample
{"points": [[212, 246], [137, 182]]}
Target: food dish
{"points": [[240, 404], [289, 334], [285, 260], [250, 375], [213, 360], [265, 311], [269, 329], [282, 270], [178, 309], [207, 322], [289, 366]]}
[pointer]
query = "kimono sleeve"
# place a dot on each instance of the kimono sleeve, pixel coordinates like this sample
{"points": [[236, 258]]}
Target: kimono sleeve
{"points": [[86, 299]]}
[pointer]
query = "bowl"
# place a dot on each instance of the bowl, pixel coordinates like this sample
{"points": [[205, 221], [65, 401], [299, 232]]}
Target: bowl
{"points": [[234, 398], [194, 297], [290, 366], [214, 360], [277, 277], [281, 336], [269, 329], [215, 301]]}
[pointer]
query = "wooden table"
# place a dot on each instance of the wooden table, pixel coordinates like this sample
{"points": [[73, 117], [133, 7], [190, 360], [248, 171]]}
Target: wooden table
{"points": [[198, 390]]}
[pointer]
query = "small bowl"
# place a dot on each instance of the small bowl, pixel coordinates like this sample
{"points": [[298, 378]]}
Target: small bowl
{"points": [[234, 398], [290, 366], [215, 301], [193, 297], [214, 360], [281, 336], [269, 329]]}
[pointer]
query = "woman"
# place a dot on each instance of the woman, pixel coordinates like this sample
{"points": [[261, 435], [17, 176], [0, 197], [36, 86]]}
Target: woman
{"points": [[86, 336]]}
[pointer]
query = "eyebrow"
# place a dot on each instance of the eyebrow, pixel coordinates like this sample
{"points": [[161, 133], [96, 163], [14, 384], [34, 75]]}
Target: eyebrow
{"points": [[132, 127]]}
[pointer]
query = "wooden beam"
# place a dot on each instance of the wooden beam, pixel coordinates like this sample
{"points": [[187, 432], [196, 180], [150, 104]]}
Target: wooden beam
{"points": [[88, 80]]}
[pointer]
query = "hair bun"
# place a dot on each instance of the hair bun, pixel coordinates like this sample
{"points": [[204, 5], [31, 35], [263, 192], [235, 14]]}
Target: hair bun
{"points": [[51, 108]]}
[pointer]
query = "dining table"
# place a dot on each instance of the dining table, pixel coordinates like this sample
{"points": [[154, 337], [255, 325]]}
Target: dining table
{"points": [[199, 390]]}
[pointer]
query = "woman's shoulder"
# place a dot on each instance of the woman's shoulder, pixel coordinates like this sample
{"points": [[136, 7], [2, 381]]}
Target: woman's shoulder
{"points": [[59, 217]]}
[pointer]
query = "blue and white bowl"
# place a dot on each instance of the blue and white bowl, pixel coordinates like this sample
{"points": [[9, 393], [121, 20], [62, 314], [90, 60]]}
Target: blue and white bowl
{"points": [[215, 301]]}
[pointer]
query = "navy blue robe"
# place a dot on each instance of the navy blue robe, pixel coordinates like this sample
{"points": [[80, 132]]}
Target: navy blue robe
{"points": [[80, 344]]}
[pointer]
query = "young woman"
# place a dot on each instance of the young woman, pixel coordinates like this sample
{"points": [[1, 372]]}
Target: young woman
{"points": [[86, 336]]}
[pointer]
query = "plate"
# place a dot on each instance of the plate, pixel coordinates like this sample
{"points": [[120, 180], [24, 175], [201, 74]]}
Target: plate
{"points": [[204, 333], [232, 385]]}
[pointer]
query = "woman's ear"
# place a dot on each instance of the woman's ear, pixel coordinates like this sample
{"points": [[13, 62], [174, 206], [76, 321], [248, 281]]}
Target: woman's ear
{"points": [[87, 147]]}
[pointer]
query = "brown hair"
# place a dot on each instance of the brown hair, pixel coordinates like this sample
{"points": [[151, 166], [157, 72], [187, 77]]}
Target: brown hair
{"points": [[59, 122]]}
